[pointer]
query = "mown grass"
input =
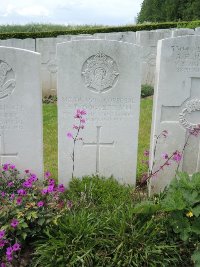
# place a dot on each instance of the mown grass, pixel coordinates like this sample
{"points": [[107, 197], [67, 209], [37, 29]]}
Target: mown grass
{"points": [[51, 142]]}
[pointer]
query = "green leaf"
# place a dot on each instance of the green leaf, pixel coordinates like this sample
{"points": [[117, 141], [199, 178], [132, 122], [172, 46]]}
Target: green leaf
{"points": [[196, 211], [196, 258], [41, 221], [24, 225], [196, 226], [24, 235]]}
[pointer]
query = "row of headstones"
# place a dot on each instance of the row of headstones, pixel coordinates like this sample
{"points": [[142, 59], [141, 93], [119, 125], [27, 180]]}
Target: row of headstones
{"points": [[98, 76], [47, 47]]}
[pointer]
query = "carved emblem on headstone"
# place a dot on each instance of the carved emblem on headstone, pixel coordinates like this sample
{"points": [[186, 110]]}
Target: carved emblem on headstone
{"points": [[190, 106], [7, 80], [100, 73]]}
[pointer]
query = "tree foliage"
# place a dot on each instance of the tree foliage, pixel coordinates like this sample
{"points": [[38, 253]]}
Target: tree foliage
{"points": [[169, 10]]}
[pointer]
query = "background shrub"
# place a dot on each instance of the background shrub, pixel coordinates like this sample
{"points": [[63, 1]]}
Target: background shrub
{"points": [[146, 90]]}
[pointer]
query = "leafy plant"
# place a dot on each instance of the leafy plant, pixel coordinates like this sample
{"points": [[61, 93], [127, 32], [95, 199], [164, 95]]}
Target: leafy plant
{"points": [[180, 203], [146, 90], [27, 206], [103, 230]]}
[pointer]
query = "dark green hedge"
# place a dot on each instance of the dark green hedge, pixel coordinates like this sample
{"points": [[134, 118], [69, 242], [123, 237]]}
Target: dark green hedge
{"points": [[134, 28]]}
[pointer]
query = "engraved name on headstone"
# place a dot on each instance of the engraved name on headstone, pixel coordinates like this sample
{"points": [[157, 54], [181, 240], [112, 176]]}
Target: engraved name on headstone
{"points": [[97, 75], [176, 105]]}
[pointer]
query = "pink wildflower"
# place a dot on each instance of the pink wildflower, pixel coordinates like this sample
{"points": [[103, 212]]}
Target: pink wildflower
{"points": [[69, 135], [14, 223], [5, 166], [3, 194], [177, 156], [2, 243], [16, 247], [47, 174], [10, 184], [165, 155], [40, 204], [21, 192], [19, 201], [44, 191], [61, 188], [2, 234], [146, 153]]}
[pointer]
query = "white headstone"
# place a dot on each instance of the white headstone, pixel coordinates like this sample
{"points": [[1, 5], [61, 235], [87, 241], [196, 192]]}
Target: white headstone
{"points": [[129, 37], [47, 48], [197, 30], [98, 76], [21, 110], [177, 88], [28, 44], [182, 32], [148, 41]]}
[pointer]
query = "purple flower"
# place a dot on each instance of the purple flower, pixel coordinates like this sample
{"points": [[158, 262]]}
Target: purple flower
{"points": [[3, 194], [47, 174], [27, 184], [61, 188], [165, 155], [12, 167], [51, 182], [9, 257], [3, 264], [44, 191], [5, 166], [83, 112], [82, 121], [9, 251], [69, 135], [50, 188], [27, 171], [19, 201], [21, 192], [2, 243], [177, 156], [2, 234], [14, 223], [33, 178], [146, 153], [75, 127], [10, 184], [16, 247], [40, 204]]}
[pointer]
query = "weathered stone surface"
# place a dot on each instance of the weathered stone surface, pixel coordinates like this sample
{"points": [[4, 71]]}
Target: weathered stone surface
{"points": [[176, 105], [182, 32], [98, 76], [47, 48], [129, 37], [28, 44], [148, 41], [21, 110]]}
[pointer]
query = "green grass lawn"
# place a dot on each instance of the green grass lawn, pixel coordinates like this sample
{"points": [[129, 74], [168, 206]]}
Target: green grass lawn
{"points": [[51, 141]]}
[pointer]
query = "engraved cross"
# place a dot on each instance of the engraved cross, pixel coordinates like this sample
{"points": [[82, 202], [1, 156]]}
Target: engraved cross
{"points": [[98, 144], [3, 154], [177, 115]]}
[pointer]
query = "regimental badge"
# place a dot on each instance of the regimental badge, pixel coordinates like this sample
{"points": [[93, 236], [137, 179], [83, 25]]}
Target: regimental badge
{"points": [[7, 80], [100, 73]]}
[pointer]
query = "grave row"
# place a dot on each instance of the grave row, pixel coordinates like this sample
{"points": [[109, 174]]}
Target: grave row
{"points": [[146, 39], [104, 78]]}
